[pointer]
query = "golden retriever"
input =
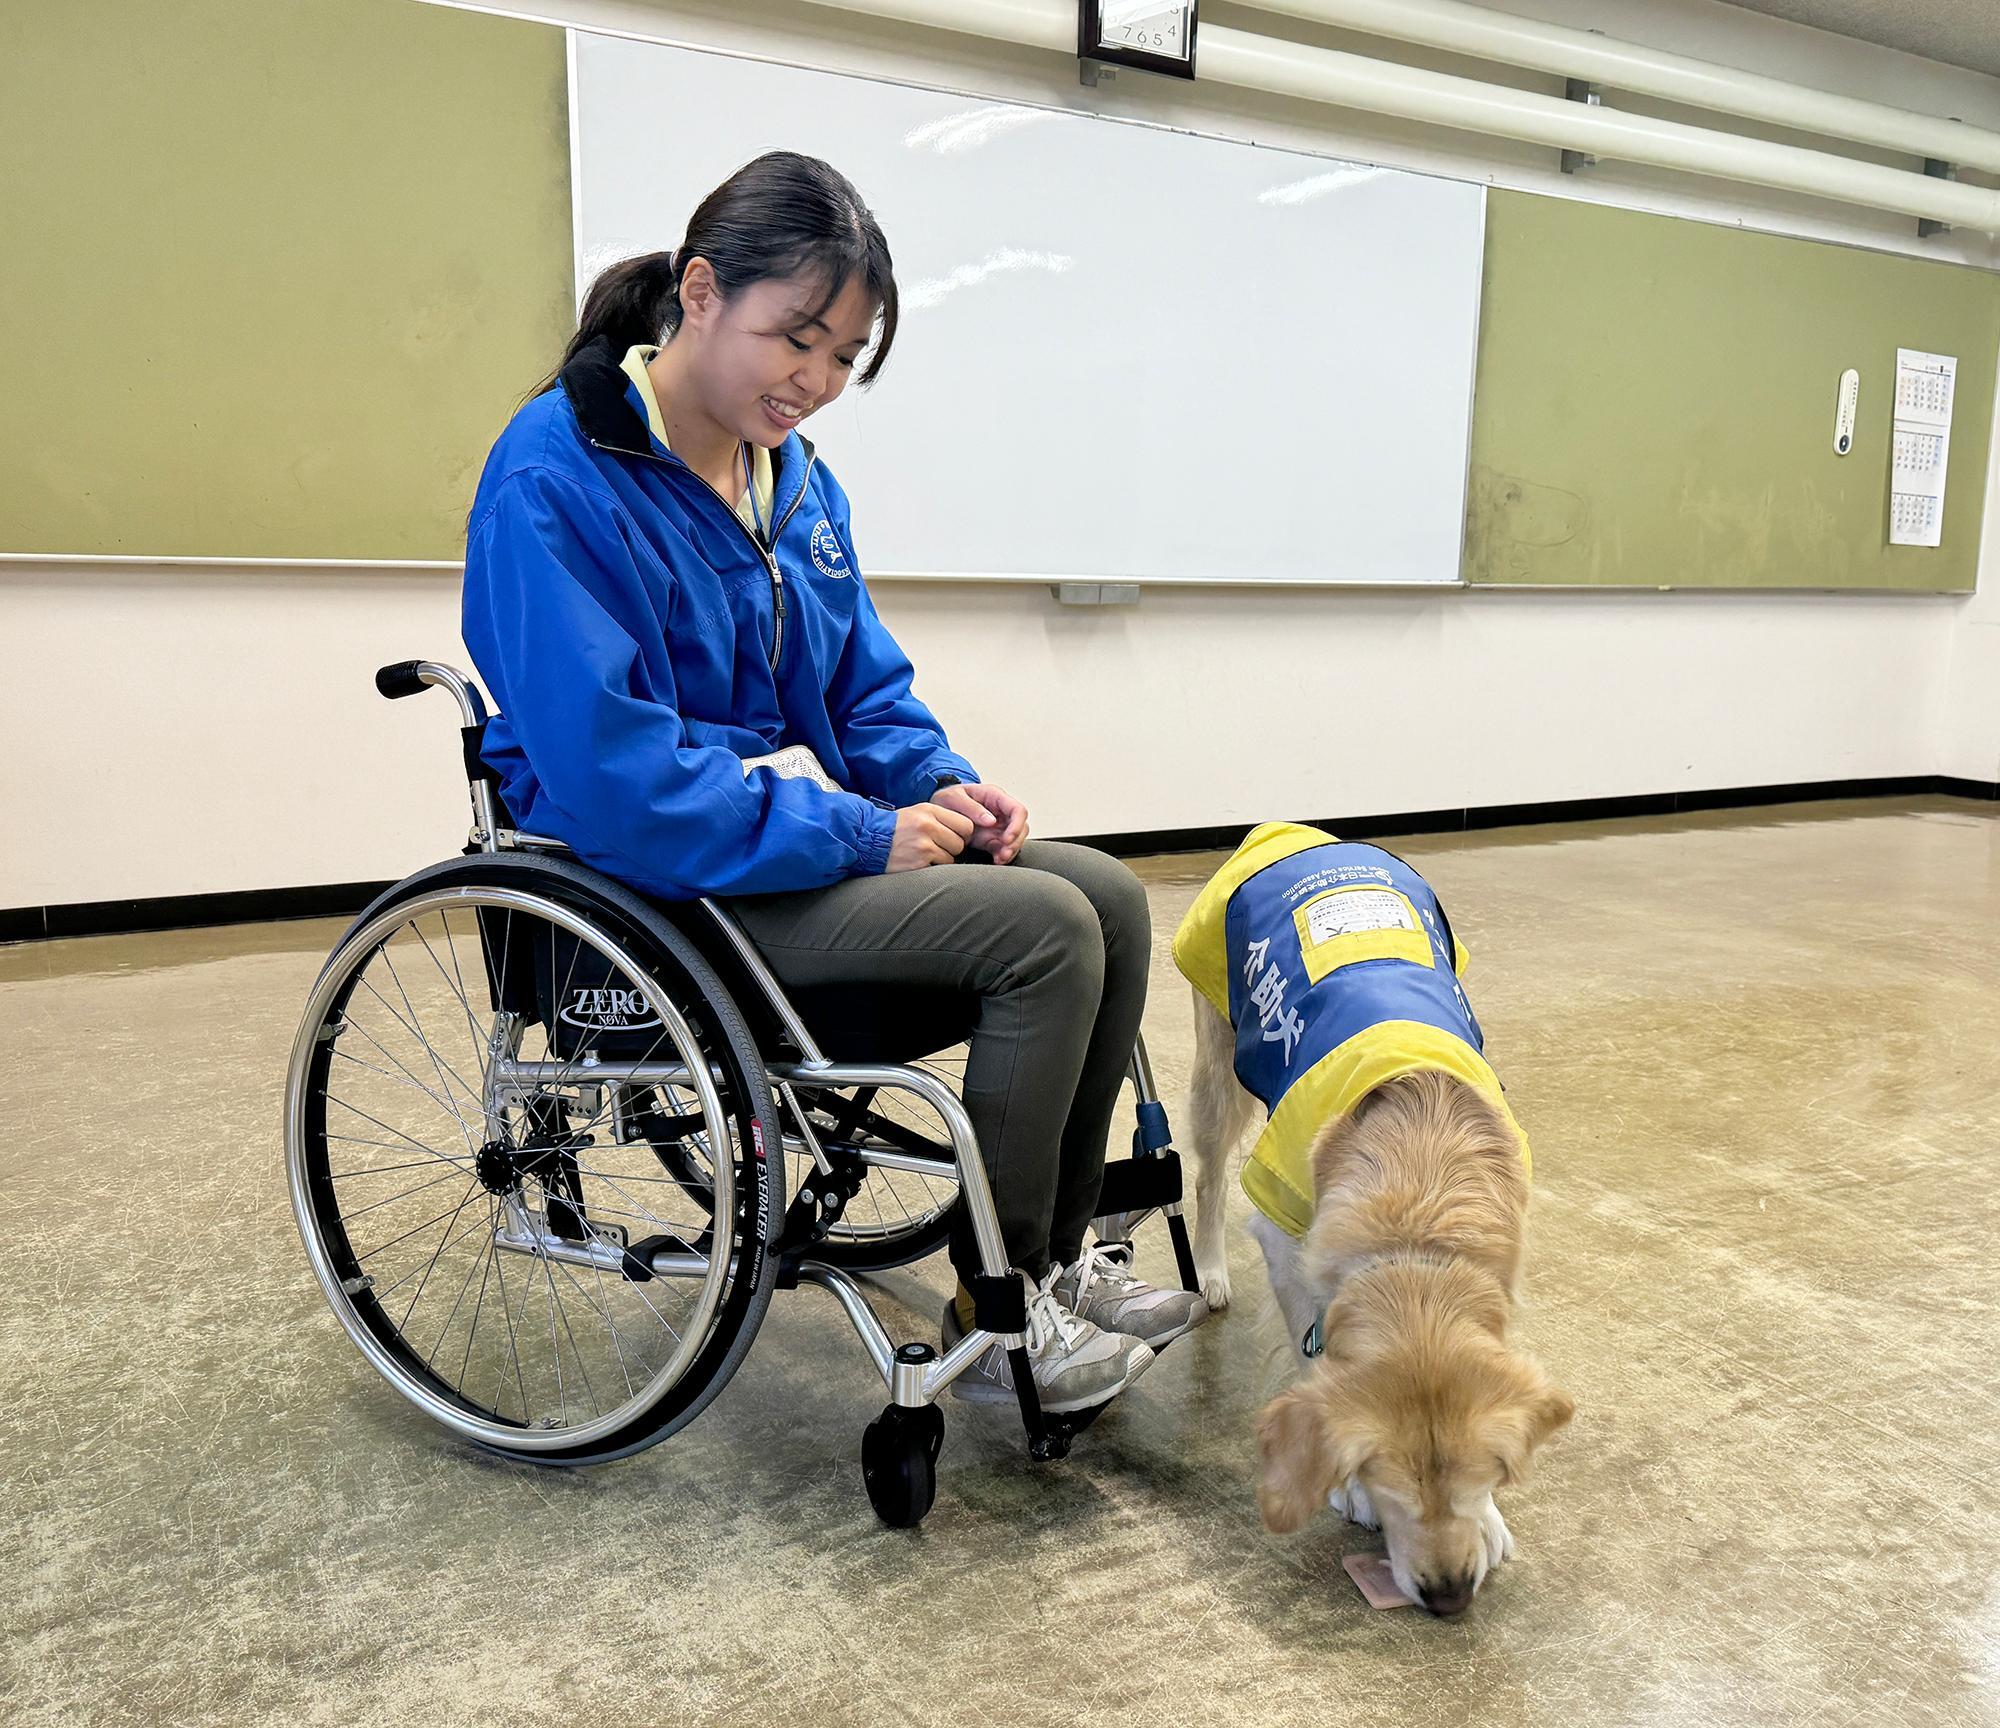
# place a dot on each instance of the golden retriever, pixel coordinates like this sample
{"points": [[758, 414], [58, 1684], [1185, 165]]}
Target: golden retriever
{"points": [[1418, 1410]]}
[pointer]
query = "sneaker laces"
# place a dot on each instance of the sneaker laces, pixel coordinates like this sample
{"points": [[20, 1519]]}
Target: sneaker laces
{"points": [[1048, 1320], [1107, 1263]]}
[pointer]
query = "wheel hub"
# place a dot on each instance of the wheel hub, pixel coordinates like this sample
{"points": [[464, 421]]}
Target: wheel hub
{"points": [[493, 1164]]}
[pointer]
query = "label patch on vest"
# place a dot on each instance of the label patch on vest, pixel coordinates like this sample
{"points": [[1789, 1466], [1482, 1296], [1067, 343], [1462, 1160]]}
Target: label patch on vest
{"points": [[1356, 909], [1345, 926]]}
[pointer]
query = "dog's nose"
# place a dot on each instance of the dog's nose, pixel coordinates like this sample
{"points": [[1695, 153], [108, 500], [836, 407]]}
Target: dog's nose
{"points": [[1447, 1596]]}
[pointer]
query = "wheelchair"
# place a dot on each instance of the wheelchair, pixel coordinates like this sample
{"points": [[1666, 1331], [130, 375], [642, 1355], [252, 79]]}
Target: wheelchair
{"points": [[552, 1146]]}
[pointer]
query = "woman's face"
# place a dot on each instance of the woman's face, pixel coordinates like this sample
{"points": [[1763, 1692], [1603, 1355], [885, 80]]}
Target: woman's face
{"points": [[768, 358]]}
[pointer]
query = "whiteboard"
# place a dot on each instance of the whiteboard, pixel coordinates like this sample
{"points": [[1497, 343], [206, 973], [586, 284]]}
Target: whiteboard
{"points": [[1126, 354]]}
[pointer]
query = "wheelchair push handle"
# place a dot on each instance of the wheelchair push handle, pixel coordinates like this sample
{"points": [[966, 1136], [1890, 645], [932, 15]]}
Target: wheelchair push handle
{"points": [[402, 679], [408, 677]]}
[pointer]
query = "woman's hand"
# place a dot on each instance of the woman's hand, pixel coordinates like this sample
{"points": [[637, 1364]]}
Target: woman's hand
{"points": [[999, 819], [927, 834]]}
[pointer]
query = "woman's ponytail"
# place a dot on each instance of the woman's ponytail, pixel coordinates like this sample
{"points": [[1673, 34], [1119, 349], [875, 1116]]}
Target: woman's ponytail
{"points": [[781, 216], [634, 302]]}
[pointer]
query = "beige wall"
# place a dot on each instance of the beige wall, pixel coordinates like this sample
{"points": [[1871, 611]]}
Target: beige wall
{"points": [[180, 732], [171, 731], [1969, 737]]}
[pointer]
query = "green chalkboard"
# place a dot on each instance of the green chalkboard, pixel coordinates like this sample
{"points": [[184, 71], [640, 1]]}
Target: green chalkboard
{"points": [[1655, 404], [275, 271]]}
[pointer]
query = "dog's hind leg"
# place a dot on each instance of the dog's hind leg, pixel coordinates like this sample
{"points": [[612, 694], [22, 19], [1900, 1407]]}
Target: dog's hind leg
{"points": [[1219, 1111]]}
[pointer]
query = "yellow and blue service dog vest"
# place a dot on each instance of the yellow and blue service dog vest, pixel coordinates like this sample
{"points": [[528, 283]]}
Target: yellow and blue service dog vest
{"points": [[1336, 967]]}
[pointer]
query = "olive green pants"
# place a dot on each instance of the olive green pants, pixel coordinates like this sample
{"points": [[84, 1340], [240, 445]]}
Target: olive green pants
{"points": [[1055, 947]]}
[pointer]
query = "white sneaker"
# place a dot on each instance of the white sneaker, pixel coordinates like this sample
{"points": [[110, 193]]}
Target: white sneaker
{"points": [[1100, 1288], [1075, 1365]]}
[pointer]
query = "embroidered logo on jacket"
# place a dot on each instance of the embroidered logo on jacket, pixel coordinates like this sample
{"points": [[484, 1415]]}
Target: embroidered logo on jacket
{"points": [[828, 559]]}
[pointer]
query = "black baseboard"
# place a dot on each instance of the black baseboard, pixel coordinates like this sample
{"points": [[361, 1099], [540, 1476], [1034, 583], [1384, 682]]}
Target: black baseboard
{"points": [[24, 923], [1958, 788], [343, 899], [1159, 840], [186, 911]]}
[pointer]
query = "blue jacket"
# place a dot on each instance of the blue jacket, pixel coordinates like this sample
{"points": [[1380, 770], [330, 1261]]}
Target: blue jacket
{"points": [[640, 644]]}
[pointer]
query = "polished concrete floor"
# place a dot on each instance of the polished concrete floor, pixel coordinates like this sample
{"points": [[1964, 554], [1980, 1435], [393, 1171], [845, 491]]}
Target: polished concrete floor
{"points": [[1759, 1055]]}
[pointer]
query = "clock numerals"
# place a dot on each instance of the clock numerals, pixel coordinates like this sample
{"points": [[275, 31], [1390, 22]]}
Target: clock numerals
{"points": [[1142, 33]]}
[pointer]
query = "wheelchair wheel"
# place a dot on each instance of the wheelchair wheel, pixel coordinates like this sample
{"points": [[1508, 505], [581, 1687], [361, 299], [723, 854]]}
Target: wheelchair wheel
{"points": [[518, 1251], [899, 1453], [895, 1217]]}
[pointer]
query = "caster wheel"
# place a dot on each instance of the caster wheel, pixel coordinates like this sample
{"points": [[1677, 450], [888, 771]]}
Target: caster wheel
{"points": [[899, 1451]]}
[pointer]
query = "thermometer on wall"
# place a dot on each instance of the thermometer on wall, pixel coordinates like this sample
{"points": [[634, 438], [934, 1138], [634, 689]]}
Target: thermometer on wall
{"points": [[1843, 412]]}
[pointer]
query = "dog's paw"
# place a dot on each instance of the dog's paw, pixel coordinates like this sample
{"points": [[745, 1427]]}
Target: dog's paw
{"points": [[1352, 1503], [1214, 1285], [1493, 1531]]}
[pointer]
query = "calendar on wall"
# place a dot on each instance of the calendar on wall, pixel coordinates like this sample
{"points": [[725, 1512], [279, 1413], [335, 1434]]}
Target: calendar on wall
{"points": [[1921, 446]]}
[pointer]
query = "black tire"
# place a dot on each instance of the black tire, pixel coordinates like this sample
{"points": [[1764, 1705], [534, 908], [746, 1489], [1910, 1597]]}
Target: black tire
{"points": [[740, 1266], [899, 1453]]}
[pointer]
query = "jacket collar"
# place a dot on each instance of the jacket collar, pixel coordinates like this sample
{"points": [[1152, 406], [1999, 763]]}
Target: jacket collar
{"points": [[595, 384]]}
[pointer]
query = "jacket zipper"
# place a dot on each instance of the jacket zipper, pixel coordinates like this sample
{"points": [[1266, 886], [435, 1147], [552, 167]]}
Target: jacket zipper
{"points": [[767, 553]]}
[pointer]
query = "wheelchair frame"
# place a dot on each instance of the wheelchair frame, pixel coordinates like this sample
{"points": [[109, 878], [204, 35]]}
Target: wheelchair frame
{"points": [[899, 1450]]}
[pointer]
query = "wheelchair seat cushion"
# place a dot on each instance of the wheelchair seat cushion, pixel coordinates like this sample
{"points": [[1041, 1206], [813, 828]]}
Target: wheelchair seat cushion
{"points": [[884, 1023]]}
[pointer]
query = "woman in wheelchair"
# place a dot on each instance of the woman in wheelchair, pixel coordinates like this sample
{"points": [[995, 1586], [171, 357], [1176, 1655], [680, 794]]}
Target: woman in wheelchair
{"points": [[698, 698], [565, 1110]]}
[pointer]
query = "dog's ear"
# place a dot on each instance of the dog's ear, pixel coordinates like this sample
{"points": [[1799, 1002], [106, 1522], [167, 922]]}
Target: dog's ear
{"points": [[1525, 1422], [1304, 1456]]}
